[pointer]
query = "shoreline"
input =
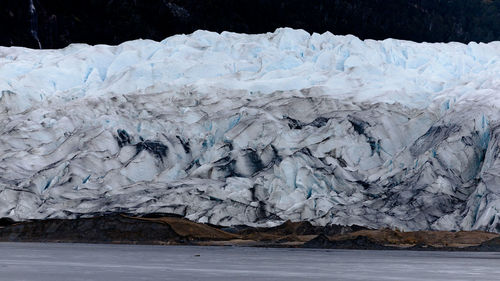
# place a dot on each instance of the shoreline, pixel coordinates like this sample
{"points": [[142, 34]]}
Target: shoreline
{"points": [[167, 229]]}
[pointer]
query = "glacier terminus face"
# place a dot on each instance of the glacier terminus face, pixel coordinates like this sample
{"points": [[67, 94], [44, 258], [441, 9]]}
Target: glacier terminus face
{"points": [[255, 129]]}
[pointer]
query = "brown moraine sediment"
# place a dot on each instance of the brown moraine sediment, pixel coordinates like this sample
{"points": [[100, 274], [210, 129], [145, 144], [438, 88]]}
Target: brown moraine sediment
{"points": [[161, 230]]}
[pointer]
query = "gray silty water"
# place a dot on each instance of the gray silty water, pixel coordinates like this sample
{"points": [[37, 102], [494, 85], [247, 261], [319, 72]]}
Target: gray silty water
{"points": [[61, 262]]}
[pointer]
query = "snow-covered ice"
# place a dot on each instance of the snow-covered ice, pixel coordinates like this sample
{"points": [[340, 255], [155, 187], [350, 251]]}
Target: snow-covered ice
{"points": [[255, 129]]}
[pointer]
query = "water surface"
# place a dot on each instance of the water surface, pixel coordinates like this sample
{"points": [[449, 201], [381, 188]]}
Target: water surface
{"points": [[62, 262]]}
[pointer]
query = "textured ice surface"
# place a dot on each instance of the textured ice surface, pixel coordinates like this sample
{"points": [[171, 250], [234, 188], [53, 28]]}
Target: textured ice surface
{"points": [[61, 262], [255, 129]]}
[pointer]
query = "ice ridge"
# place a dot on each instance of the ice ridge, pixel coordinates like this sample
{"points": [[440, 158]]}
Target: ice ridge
{"points": [[255, 129]]}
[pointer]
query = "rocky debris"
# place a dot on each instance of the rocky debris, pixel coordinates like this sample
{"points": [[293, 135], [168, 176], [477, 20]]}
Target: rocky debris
{"points": [[192, 231], [321, 241], [492, 245], [358, 242], [104, 229], [167, 229], [300, 228], [6, 221]]}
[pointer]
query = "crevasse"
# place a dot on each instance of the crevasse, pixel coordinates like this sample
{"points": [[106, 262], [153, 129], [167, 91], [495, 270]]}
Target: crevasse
{"points": [[255, 129]]}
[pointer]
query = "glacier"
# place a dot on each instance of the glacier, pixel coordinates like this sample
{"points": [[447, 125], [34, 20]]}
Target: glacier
{"points": [[235, 129]]}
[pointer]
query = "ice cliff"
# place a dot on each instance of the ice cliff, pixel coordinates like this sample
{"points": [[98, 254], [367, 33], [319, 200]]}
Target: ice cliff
{"points": [[255, 129]]}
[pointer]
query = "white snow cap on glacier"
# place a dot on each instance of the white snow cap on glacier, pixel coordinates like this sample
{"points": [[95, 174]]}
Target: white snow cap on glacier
{"points": [[388, 71], [234, 128]]}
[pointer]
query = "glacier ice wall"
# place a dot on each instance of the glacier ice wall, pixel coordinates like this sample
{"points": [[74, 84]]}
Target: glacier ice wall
{"points": [[255, 129]]}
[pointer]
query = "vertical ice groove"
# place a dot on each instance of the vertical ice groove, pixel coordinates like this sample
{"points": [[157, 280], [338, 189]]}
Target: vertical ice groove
{"points": [[34, 23], [236, 129]]}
